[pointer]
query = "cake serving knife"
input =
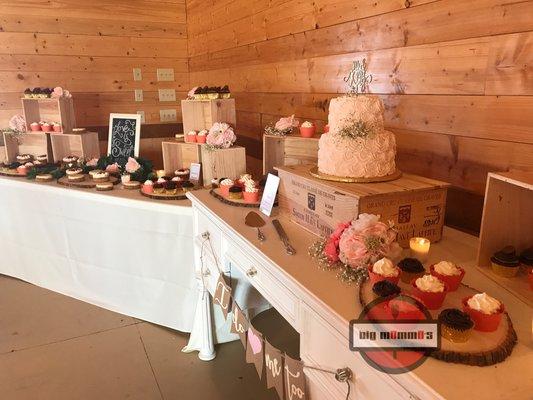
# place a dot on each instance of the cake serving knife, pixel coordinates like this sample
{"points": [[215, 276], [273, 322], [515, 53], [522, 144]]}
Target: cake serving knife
{"points": [[283, 236]]}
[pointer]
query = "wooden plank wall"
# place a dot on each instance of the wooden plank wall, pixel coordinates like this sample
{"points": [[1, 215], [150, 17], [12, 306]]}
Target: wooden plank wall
{"points": [[91, 48], [456, 76]]}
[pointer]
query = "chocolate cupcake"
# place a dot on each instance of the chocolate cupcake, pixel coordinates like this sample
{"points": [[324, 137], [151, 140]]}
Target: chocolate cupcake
{"points": [[455, 325], [505, 262], [411, 269], [235, 192], [386, 288], [158, 188], [187, 186], [171, 188]]}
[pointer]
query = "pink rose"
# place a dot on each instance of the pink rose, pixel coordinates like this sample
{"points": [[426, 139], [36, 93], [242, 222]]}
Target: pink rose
{"points": [[364, 221], [17, 123], [132, 165], [352, 249], [340, 229], [113, 168], [58, 92], [221, 135], [92, 162], [331, 251], [287, 123], [378, 229], [192, 91]]}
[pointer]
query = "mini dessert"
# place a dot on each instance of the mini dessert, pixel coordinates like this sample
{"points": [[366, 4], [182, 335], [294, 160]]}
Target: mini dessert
{"points": [[56, 127], [251, 193], [177, 179], [46, 127], [225, 92], [171, 188], [214, 183], [28, 94], [307, 129], [24, 158], [104, 186], [455, 325], [505, 262], [74, 171], [42, 158], [76, 178], [101, 176], [212, 93], [29, 165], [235, 192], [187, 186], [191, 137], [44, 177], [148, 187], [183, 173], [386, 288], [384, 269], [94, 172], [526, 260], [411, 269], [449, 273], [35, 127], [125, 178], [202, 136], [158, 188], [38, 163], [245, 178], [132, 185], [485, 311], [70, 159], [22, 170], [430, 290], [225, 185]]}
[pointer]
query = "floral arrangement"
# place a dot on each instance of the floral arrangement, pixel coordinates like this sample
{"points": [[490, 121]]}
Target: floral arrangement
{"points": [[60, 92], [17, 127], [355, 245], [220, 136], [357, 129], [283, 127], [139, 168]]}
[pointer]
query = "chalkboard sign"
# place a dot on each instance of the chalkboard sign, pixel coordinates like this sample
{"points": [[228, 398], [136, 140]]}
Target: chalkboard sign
{"points": [[124, 135]]}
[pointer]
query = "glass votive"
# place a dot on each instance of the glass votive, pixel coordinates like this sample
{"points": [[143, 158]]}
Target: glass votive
{"points": [[419, 248]]}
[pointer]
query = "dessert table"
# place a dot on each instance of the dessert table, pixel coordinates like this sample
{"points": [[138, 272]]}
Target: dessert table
{"points": [[117, 249], [320, 307]]}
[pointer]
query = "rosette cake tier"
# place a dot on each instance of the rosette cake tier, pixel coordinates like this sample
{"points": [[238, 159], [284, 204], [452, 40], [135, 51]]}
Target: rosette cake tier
{"points": [[357, 145]]}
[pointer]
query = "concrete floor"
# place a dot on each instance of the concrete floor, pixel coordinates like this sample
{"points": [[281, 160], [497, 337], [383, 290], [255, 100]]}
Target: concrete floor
{"points": [[55, 347]]}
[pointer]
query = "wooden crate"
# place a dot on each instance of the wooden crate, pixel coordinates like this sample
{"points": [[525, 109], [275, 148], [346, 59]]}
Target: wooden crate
{"points": [[35, 144], [507, 220], [279, 151], [415, 204], [83, 145], [229, 163], [50, 110], [202, 114]]}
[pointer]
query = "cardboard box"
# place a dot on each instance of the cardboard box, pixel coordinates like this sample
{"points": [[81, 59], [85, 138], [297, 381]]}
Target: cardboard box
{"points": [[415, 204]]}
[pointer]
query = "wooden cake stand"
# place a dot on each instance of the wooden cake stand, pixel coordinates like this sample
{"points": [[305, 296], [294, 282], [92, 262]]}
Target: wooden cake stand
{"points": [[482, 349], [88, 183], [347, 179], [233, 202]]}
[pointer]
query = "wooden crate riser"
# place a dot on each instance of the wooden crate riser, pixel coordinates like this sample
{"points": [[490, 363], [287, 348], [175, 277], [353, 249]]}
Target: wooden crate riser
{"points": [[178, 155], [35, 144], [60, 110], [85, 145], [202, 114], [288, 150], [319, 207]]}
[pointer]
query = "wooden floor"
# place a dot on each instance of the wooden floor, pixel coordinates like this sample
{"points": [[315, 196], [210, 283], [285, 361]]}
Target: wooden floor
{"points": [[55, 347]]}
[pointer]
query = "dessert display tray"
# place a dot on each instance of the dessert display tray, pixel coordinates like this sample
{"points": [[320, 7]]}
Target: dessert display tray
{"points": [[180, 195], [236, 203], [10, 172], [482, 349], [317, 174], [88, 183]]}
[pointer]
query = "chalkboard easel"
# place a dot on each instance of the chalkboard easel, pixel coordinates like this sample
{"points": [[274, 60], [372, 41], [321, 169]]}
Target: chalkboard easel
{"points": [[124, 136]]}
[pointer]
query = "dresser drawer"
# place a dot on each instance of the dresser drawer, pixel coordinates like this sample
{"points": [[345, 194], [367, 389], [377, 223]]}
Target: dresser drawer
{"points": [[270, 287], [321, 345]]}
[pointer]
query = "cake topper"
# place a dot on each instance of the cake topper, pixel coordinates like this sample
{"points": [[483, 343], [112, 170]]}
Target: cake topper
{"points": [[358, 80]]}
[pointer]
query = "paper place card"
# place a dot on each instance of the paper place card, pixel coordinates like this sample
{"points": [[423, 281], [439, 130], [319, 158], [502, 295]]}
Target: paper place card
{"points": [[269, 195], [194, 174]]}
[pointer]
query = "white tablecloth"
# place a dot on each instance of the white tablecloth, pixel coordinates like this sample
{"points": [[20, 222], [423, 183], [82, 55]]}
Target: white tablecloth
{"points": [[111, 249]]}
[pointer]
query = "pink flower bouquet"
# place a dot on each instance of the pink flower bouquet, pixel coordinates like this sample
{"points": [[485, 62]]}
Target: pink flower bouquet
{"points": [[283, 127], [220, 136], [355, 245], [132, 165]]}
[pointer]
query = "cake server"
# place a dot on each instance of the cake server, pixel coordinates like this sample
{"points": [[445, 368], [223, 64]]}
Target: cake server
{"points": [[283, 236], [254, 220]]}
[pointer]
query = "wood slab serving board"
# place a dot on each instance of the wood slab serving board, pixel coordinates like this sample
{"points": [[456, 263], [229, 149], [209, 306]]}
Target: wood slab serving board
{"points": [[10, 172], [236, 203], [88, 183], [180, 195], [482, 349]]}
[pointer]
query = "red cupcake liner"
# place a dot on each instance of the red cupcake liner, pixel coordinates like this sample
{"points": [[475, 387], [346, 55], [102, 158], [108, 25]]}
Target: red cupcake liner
{"points": [[190, 138], [201, 139], [432, 301], [374, 278], [452, 281], [224, 190], [307, 132], [483, 322], [250, 197]]}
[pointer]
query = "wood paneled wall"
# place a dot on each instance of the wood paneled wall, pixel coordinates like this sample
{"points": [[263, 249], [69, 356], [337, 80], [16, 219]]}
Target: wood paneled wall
{"points": [[91, 48], [456, 76]]}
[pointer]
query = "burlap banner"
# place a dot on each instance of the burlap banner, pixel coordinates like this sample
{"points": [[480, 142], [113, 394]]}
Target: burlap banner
{"points": [[274, 368], [295, 388], [255, 349], [223, 295], [239, 322]]}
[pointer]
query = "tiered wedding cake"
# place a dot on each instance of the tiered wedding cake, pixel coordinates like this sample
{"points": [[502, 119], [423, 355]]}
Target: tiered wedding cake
{"points": [[357, 145]]}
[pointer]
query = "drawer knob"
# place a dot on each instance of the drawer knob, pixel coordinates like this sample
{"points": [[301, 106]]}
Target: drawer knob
{"points": [[251, 272], [205, 235], [206, 273]]}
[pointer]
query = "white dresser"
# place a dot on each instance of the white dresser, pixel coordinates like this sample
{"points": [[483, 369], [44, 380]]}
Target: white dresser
{"points": [[320, 307]]}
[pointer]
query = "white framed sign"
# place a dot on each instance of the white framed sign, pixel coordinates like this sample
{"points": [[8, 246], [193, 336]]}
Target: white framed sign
{"points": [[194, 172], [269, 194], [124, 135]]}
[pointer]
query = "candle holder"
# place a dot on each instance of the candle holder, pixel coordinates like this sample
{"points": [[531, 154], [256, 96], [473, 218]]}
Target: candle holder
{"points": [[420, 248], [160, 173]]}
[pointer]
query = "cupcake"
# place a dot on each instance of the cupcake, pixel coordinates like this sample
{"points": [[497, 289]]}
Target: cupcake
{"points": [[190, 137], [44, 177], [251, 193], [235, 192], [526, 260], [202, 136], [132, 185], [214, 183], [212, 93], [171, 188], [161, 180], [225, 92], [386, 289], [125, 178], [56, 127], [24, 158], [187, 186], [244, 178], [22, 170], [148, 187], [505, 262], [104, 186], [94, 172], [46, 127], [430, 290], [449, 273], [28, 94], [307, 129], [42, 158], [76, 178], [74, 171], [35, 127], [485, 311], [158, 188], [101, 176], [225, 185], [70, 159], [411, 269], [384, 269], [183, 173], [177, 179], [455, 325]]}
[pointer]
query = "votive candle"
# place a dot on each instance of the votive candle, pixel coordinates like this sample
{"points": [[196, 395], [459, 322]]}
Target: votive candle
{"points": [[419, 248], [160, 173]]}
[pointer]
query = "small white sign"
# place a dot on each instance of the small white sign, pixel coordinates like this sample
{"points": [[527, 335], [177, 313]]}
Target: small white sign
{"points": [[269, 194], [194, 174]]}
